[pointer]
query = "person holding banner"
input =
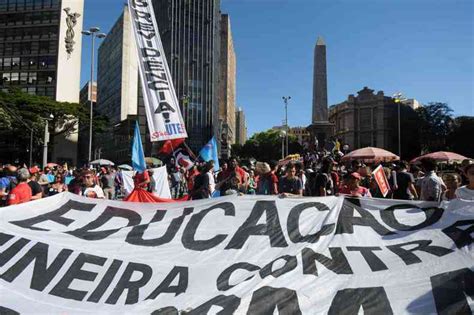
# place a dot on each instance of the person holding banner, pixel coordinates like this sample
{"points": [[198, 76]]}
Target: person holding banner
{"points": [[89, 188], [467, 192], [352, 187], [290, 185], [405, 183]]}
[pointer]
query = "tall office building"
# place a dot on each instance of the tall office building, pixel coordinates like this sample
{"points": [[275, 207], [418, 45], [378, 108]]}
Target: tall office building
{"points": [[240, 127], [40, 53], [87, 94], [190, 34], [227, 89], [119, 92]]}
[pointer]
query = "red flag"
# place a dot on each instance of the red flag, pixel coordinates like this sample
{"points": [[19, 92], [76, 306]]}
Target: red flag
{"points": [[170, 145]]}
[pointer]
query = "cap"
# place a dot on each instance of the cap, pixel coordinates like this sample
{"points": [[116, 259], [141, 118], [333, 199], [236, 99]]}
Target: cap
{"points": [[34, 170], [356, 175]]}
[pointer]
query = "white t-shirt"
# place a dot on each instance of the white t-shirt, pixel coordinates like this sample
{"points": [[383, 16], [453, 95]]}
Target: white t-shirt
{"points": [[94, 192], [212, 182], [465, 193]]}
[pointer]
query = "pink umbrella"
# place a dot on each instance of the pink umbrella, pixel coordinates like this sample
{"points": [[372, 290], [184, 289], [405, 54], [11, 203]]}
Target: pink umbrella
{"points": [[441, 156], [371, 155]]}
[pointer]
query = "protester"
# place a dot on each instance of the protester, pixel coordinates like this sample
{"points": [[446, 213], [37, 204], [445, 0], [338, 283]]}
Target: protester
{"points": [[432, 186], [58, 186], [141, 180], [290, 185], [452, 184], [21, 193], [267, 183], [107, 182], [8, 181], [352, 186], [89, 187], [252, 188], [321, 183], [152, 185], [466, 192], [204, 184], [405, 183], [36, 189]]}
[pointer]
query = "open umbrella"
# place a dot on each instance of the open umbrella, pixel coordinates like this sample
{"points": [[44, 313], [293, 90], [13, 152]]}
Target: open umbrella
{"points": [[441, 156], [102, 162], [51, 165], [371, 155], [153, 161], [125, 167]]}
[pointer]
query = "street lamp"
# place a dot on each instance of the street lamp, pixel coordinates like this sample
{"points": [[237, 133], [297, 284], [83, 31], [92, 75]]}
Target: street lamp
{"points": [[282, 136], [398, 97], [93, 33], [285, 100], [46, 139]]}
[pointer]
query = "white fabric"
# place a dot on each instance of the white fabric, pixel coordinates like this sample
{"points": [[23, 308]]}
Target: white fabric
{"points": [[212, 183], [68, 254], [96, 189], [465, 193], [161, 104], [160, 175]]}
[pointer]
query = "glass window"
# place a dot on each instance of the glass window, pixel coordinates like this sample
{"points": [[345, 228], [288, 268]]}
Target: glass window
{"points": [[32, 90], [23, 77], [44, 47], [15, 77], [32, 78], [7, 62]]}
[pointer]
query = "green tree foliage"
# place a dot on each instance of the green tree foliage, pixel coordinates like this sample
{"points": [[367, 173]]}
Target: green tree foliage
{"points": [[436, 123], [19, 110], [265, 146], [460, 139]]}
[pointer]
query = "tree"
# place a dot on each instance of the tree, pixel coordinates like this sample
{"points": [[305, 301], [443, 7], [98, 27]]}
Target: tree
{"points": [[265, 146], [18, 109], [436, 123], [460, 139]]}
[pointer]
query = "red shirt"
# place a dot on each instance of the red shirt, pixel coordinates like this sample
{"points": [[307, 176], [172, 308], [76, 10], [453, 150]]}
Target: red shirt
{"points": [[140, 178], [20, 194], [359, 192], [238, 170]]}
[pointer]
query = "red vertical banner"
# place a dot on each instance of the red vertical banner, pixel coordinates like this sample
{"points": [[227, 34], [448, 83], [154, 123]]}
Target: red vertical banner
{"points": [[381, 180]]}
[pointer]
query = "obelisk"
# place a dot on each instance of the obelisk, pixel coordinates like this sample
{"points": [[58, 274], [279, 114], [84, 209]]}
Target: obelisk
{"points": [[320, 85], [321, 129]]}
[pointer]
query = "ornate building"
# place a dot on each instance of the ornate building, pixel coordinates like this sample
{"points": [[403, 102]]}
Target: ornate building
{"points": [[367, 119]]}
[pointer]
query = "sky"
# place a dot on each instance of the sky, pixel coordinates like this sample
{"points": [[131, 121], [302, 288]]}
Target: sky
{"points": [[421, 48]]}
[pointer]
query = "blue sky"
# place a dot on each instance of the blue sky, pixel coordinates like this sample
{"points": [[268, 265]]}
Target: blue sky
{"points": [[423, 48]]}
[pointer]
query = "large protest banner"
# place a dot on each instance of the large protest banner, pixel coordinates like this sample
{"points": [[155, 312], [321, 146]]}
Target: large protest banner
{"points": [[161, 104], [245, 255]]}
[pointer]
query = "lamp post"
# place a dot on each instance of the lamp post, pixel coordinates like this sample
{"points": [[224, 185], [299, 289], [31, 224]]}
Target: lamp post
{"points": [[93, 32], [285, 100], [282, 136], [46, 139], [398, 97]]}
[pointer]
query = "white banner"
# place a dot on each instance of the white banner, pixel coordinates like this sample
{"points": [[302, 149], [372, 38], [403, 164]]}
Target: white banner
{"points": [[162, 108], [237, 255], [160, 175]]}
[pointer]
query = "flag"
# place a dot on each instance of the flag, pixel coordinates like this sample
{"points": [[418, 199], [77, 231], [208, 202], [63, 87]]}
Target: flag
{"points": [[170, 145], [138, 158], [209, 152]]}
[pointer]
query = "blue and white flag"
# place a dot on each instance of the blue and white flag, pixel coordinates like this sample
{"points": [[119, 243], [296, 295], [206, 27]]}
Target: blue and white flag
{"points": [[209, 152], [138, 158]]}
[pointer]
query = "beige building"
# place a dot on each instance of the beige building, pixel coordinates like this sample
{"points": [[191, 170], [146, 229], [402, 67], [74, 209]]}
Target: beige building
{"points": [[240, 127], [301, 133], [227, 87], [365, 120]]}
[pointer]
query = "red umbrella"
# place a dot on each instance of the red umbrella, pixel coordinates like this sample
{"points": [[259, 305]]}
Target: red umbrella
{"points": [[371, 155], [441, 156], [51, 165]]}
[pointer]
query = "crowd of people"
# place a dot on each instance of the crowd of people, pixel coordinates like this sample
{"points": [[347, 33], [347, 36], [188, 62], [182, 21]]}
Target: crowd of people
{"points": [[318, 174]]}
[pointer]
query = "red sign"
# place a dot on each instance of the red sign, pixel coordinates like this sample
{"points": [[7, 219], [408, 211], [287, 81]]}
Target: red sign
{"points": [[381, 180]]}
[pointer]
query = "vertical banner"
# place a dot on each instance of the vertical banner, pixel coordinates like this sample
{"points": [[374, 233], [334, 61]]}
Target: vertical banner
{"points": [[162, 108], [381, 180]]}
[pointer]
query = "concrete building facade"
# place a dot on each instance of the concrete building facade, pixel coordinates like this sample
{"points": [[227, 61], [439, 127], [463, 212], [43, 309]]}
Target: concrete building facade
{"points": [[240, 127], [40, 53], [227, 87], [190, 32], [119, 93]]}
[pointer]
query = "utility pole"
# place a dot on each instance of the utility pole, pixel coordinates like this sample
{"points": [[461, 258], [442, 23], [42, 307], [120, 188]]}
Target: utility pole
{"points": [[287, 129]]}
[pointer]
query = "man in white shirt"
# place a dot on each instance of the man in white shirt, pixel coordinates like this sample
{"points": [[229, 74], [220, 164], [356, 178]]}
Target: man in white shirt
{"points": [[432, 186], [89, 188], [466, 192]]}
